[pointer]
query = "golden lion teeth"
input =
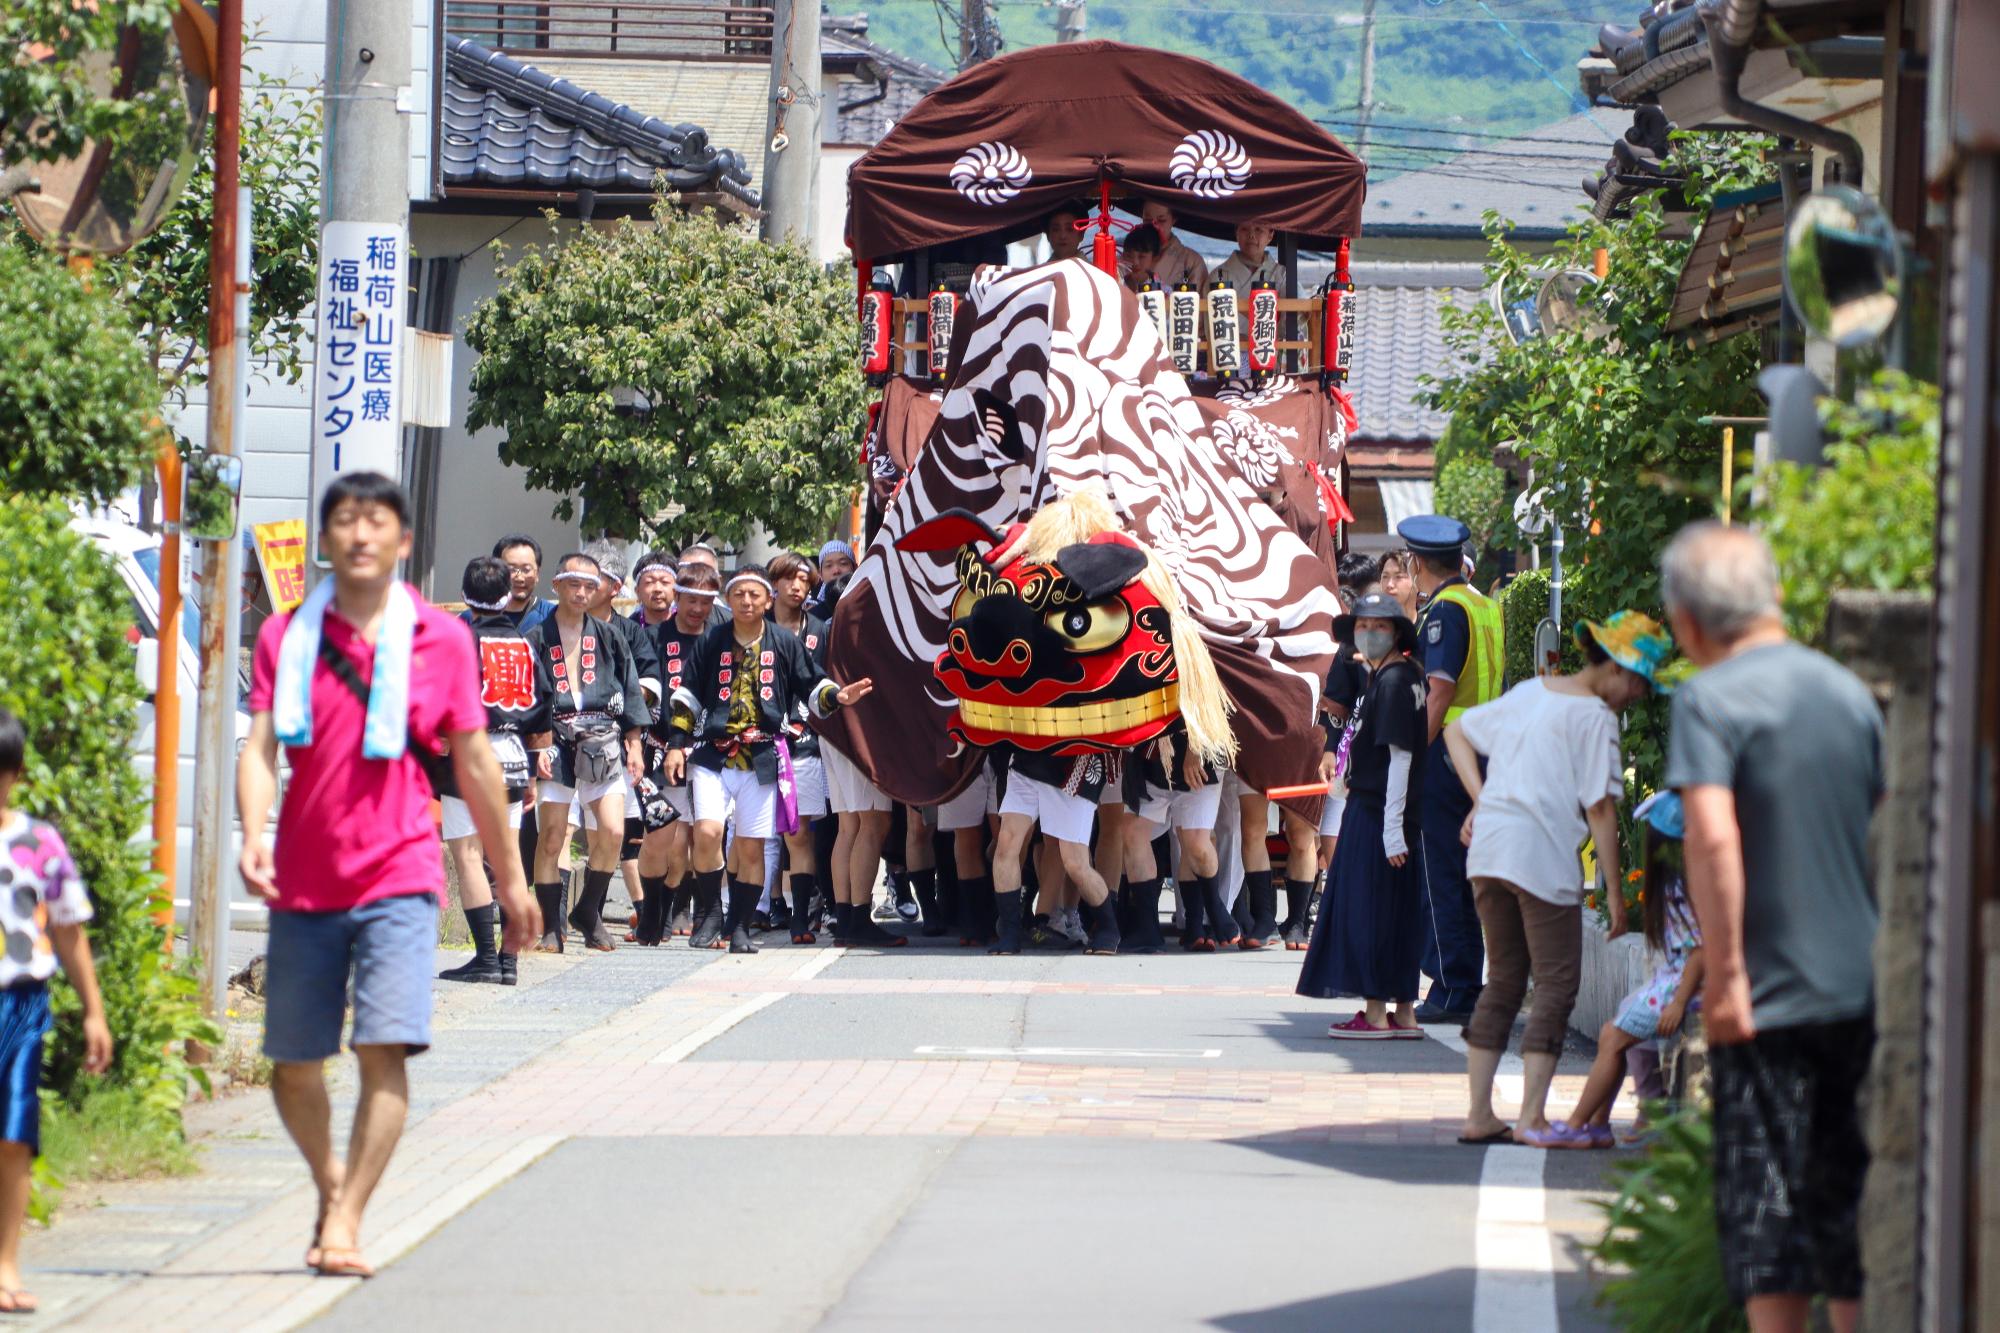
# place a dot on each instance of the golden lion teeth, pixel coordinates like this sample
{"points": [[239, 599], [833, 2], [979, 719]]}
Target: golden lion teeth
{"points": [[1102, 716]]}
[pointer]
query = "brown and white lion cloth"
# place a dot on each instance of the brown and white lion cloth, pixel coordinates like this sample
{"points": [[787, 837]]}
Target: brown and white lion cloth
{"points": [[1062, 382]]}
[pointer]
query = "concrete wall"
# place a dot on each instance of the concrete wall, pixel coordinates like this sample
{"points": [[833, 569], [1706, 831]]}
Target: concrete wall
{"points": [[1886, 640]]}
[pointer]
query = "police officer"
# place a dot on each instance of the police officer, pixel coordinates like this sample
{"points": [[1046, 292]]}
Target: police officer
{"points": [[1459, 644]]}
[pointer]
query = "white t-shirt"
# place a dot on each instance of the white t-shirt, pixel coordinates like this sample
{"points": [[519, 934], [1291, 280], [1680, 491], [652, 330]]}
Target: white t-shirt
{"points": [[1550, 757]]}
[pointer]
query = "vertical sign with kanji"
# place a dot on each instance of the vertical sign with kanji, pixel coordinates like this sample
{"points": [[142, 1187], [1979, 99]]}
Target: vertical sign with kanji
{"points": [[357, 376], [281, 550]]}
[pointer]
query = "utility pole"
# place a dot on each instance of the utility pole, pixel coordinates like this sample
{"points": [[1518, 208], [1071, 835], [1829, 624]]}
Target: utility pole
{"points": [[222, 561], [1367, 107], [978, 33], [1071, 20], [792, 132]]}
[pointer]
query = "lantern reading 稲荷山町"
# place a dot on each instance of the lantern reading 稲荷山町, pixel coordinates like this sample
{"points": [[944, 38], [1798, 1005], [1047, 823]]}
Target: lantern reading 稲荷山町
{"points": [[1225, 330], [1263, 338], [1183, 327], [1153, 300], [944, 314], [877, 309]]}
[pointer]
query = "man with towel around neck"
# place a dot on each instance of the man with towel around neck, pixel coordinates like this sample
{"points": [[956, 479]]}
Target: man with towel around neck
{"points": [[363, 684]]}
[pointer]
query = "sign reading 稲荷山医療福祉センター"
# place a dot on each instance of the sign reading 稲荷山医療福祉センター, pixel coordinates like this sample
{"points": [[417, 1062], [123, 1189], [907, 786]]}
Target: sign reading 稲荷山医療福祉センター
{"points": [[357, 421]]}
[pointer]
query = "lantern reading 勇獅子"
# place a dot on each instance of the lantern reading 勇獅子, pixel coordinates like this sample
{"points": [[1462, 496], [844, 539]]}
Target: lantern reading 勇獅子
{"points": [[876, 310], [1263, 329]]}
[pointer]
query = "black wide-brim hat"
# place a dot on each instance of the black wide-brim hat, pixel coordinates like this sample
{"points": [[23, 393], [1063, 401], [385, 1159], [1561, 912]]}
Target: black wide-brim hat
{"points": [[1378, 606]]}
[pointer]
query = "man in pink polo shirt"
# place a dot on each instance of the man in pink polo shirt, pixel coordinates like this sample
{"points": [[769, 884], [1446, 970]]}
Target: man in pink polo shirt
{"points": [[357, 876]]}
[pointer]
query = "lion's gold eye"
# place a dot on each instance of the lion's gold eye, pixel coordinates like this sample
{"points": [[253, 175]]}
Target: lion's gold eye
{"points": [[1092, 628], [962, 606]]}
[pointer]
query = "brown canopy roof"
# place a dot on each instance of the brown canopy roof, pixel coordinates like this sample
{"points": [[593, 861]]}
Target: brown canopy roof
{"points": [[998, 147]]}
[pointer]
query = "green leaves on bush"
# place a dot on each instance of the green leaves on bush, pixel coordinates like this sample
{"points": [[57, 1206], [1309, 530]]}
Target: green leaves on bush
{"points": [[1660, 1234], [745, 353], [1867, 519], [77, 397], [1473, 490], [66, 669]]}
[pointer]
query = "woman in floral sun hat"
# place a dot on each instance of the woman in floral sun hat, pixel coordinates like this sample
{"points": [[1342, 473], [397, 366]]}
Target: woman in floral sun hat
{"points": [[1554, 774]]}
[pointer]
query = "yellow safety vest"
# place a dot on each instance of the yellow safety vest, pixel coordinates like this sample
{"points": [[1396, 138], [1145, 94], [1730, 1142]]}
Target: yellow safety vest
{"points": [[1479, 680]]}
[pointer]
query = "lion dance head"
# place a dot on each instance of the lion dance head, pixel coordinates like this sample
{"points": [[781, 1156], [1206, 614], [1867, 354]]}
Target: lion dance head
{"points": [[1068, 636]]}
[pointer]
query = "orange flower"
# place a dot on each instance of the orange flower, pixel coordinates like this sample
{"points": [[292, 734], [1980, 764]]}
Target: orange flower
{"points": [[1635, 876]]}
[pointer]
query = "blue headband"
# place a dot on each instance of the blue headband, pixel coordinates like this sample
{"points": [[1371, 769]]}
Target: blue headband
{"points": [[836, 545]]}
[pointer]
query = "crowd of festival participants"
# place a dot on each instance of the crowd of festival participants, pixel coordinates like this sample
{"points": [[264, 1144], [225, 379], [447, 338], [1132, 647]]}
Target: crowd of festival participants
{"points": [[677, 740]]}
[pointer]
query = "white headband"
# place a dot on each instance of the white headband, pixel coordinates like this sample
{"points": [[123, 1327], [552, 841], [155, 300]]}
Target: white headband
{"points": [[500, 605], [747, 576], [578, 576]]}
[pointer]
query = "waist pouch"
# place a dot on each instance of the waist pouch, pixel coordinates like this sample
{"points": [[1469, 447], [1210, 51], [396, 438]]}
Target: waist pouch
{"points": [[513, 757], [599, 747]]}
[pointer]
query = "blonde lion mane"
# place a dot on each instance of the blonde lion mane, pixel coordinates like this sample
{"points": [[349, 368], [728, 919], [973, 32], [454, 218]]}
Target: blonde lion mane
{"points": [[1205, 704]]}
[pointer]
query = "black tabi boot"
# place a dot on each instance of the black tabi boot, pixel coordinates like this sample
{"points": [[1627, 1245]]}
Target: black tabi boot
{"points": [[975, 897], [588, 918], [949, 902], [708, 917], [1007, 923], [510, 971], [742, 906], [1101, 931], [843, 922], [1222, 927], [865, 932], [1144, 934], [653, 910], [805, 909], [781, 912], [1197, 892], [549, 898], [484, 964], [568, 897], [1239, 911], [680, 910], [1298, 892], [1263, 929], [923, 884]]}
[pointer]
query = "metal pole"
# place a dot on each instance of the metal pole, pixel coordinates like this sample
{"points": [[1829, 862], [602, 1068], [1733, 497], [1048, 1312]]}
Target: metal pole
{"points": [[215, 747], [1728, 474], [167, 687], [791, 156], [1556, 579], [1367, 99]]}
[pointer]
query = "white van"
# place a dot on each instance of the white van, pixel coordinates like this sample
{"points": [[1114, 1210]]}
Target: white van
{"points": [[136, 554]]}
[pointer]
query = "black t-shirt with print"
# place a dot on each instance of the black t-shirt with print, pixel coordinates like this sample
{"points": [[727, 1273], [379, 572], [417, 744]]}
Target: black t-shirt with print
{"points": [[1390, 713]]}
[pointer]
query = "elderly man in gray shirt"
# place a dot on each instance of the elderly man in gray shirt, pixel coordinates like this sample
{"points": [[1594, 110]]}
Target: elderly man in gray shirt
{"points": [[1776, 751]]}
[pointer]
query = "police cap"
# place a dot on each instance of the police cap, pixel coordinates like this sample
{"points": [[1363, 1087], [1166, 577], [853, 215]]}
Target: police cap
{"points": [[1434, 535]]}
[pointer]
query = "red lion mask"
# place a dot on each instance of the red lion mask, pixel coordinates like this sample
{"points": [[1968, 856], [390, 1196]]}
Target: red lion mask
{"points": [[1068, 657]]}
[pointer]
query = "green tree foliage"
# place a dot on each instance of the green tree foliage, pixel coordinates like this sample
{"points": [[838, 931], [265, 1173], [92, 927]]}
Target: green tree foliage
{"points": [[745, 352], [164, 280], [77, 398], [1867, 519], [66, 669], [48, 106], [1609, 417], [1474, 491]]}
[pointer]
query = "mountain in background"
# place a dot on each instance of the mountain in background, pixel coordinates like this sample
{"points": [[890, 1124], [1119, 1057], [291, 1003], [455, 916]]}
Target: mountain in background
{"points": [[1449, 74]]}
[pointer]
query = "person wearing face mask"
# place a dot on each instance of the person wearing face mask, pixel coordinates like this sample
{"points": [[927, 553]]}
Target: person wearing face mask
{"points": [[1553, 774], [1369, 935]]}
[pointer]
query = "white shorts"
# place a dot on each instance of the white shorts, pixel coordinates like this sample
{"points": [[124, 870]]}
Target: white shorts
{"points": [[848, 789], [809, 782], [458, 818], [1330, 814], [718, 792], [582, 800], [678, 798], [1063, 817], [970, 807], [1183, 809], [1234, 787]]}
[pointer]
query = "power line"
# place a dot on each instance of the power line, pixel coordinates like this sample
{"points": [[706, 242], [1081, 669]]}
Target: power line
{"points": [[1469, 134]]}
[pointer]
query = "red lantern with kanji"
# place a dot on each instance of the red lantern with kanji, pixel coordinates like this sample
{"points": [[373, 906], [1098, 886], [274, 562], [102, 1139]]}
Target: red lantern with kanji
{"points": [[877, 312]]}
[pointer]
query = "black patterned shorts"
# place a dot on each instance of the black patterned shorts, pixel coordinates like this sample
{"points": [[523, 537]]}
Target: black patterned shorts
{"points": [[1789, 1159]]}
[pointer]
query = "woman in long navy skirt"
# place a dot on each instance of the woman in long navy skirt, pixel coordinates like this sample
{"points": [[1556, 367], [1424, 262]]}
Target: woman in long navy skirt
{"points": [[1369, 939]]}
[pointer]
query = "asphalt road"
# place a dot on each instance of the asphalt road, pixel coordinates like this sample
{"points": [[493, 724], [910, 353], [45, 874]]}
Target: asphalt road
{"points": [[927, 1139]]}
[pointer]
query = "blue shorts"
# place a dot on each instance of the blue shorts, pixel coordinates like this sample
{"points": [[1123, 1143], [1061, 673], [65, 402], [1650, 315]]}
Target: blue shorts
{"points": [[388, 948], [24, 1021]]}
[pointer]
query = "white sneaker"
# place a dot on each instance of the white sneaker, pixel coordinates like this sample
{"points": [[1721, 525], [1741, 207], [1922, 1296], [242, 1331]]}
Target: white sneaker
{"points": [[1068, 923]]}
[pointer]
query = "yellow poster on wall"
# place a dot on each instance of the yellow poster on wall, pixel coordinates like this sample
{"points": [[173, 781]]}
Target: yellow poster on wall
{"points": [[281, 550]]}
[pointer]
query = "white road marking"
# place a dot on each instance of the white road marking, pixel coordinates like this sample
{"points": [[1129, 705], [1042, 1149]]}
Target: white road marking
{"points": [[1110, 1052], [1515, 1291]]}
